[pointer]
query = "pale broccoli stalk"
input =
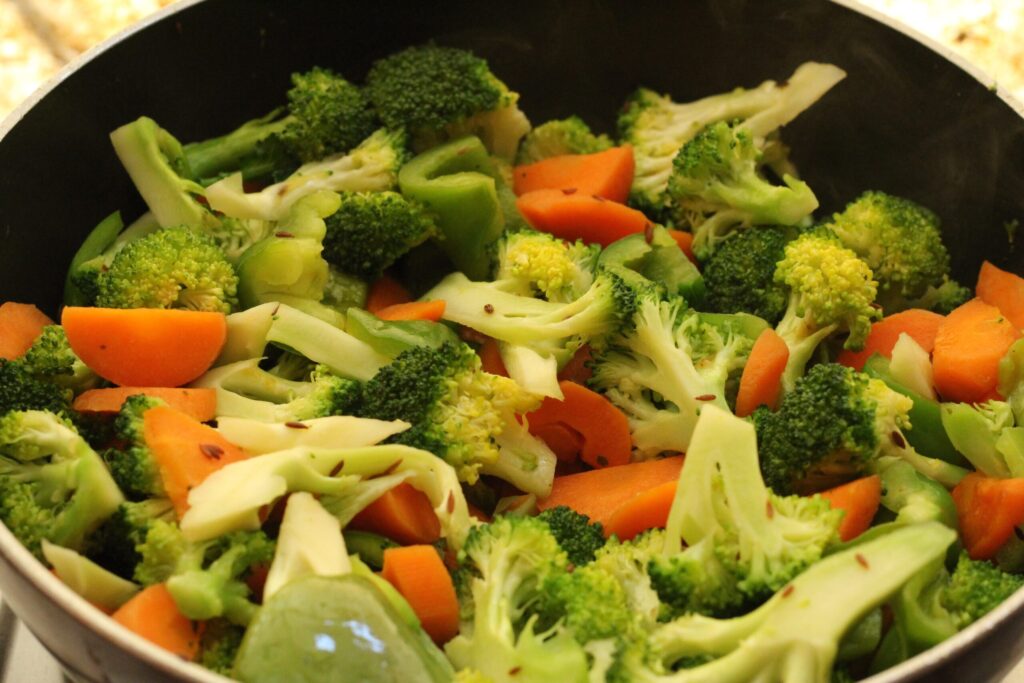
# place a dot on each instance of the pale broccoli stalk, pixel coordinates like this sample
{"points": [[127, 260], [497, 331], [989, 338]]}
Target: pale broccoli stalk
{"points": [[336, 431], [100, 587], [523, 460], [231, 498], [1011, 379], [370, 167], [309, 544], [985, 434]]}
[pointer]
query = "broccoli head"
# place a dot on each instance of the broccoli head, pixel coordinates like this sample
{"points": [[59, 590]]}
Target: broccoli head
{"points": [[114, 544], [575, 533], [740, 275], [559, 137], [977, 587], [134, 468], [51, 359], [539, 264]]}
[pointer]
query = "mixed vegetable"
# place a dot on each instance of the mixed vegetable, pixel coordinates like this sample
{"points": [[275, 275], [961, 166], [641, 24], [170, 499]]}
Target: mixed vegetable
{"points": [[391, 385]]}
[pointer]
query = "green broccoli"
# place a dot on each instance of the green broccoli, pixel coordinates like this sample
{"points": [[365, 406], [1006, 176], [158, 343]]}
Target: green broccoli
{"points": [[114, 544], [371, 230], [219, 645], [53, 486], [134, 466], [716, 188], [740, 274], [830, 291], [20, 389], [664, 367], [588, 602], [558, 137], [657, 127], [575, 533], [901, 242], [170, 268], [655, 255], [441, 93], [987, 435], [326, 115], [50, 359], [539, 264]]}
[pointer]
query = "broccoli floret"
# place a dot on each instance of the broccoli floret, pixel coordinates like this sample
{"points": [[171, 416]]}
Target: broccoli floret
{"points": [[628, 562], [976, 588], [170, 268], [371, 230], [539, 264], [441, 93], [326, 114], [664, 368], [944, 298], [575, 533], [21, 390], [716, 188], [457, 411], [832, 428], [114, 544], [589, 602], [51, 359], [219, 645], [830, 291], [740, 274], [901, 242], [558, 137], [503, 568], [657, 127], [134, 467], [53, 486]]}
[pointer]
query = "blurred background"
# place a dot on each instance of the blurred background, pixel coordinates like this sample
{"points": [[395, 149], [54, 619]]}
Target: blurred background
{"points": [[37, 37]]}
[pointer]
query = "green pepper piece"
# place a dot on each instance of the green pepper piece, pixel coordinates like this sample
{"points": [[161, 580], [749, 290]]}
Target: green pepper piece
{"points": [[368, 546], [863, 638], [978, 436], [927, 434], [914, 497], [101, 237], [460, 185], [392, 337], [659, 260]]}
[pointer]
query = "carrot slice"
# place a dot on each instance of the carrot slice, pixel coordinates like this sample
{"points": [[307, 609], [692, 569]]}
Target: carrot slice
{"points": [[969, 344], [646, 510], [20, 324], [920, 324], [565, 441], [578, 368], [859, 499], [403, 514], [607, 174], [413, 310], [386, 291], [574, 215], [598, 494], [490, 357], [145, 347], [153, 614], [685, 242], [186, 451], [988, 510], [605, 430], [417, 572], [199, 404], [761, 381], [1003, 290]]}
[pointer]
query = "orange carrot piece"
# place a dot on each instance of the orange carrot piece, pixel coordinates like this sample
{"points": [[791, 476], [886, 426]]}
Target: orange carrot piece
{"points": [[647, 510], [198, 403], [186, 451], [145, 347], [20, 324], [153, 614], [988, 510], [920, 324], [565, 441], [1003, 290], [969, 344], [386, 291], [607, 174], [598, 494], [685, 241], [490, 357], [574, 215], [859, 500], [403, 514], [577, 369], [605, 430], [761, 382], [413, 310], [419, 574]]}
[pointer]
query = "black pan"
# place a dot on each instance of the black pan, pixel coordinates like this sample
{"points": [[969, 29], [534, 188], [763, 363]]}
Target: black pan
{"points": [[908, 120]]}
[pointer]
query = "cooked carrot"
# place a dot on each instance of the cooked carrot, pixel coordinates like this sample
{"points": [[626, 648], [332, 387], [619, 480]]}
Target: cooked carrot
{"points": [[1003, 290], [988, 510], [607, 174], [403, 514], [199, 404], [920, 324], [153, 614], [20, 324], [145, 347], [386, 291], [413, 310], [859, 500], [417, 572], [761, 381], [565, 441], [578, 368], [646, 510], [574, 215], [186, 451], [490, 357], [968, 347], [600, 493], [685, 242], [605, 430]]}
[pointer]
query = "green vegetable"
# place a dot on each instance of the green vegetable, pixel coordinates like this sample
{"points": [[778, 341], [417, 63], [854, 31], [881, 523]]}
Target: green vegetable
{"points": [[740, 274], [369, 547], [575, 533], [94, 583], [391, 337], [559, 137], [660, 260], [114, 545], [985, 434], [76, 291]]}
